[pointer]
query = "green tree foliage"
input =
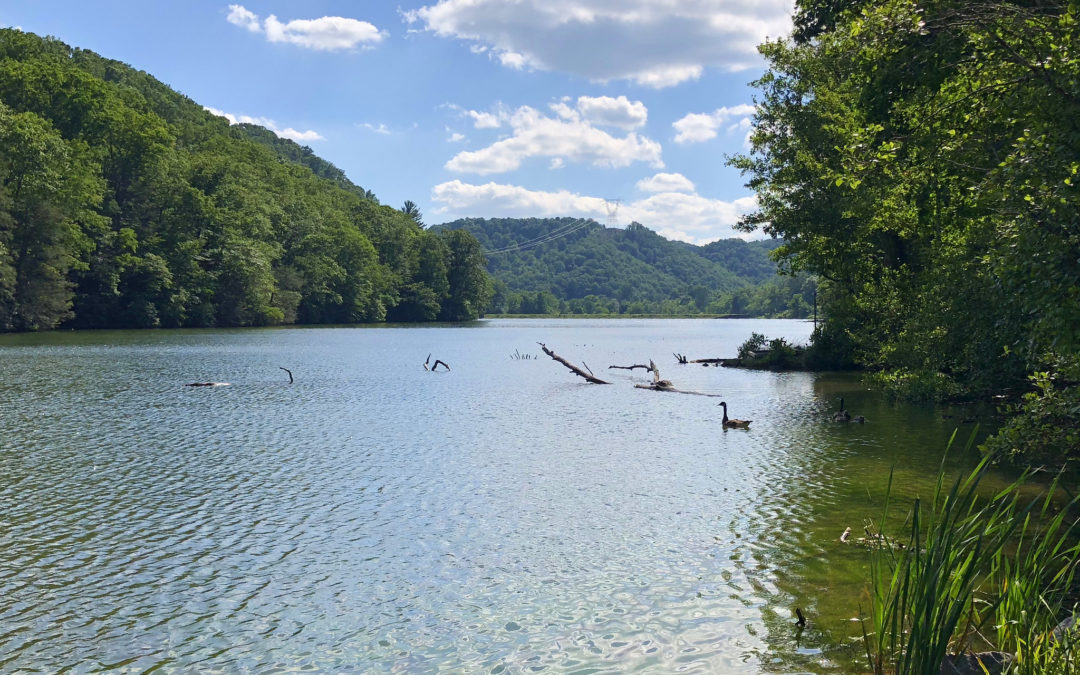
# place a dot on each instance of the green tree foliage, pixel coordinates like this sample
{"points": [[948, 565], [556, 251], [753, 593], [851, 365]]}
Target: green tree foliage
{"points": [[782, 297], [585, 268], [125, 204], [923, 159], [47, 193], [413, 211], [299, 154], [469, 287]]}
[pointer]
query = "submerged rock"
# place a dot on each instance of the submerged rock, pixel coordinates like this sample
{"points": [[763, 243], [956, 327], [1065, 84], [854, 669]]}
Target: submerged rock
{"points": [[1069, 628], [983, 663]]}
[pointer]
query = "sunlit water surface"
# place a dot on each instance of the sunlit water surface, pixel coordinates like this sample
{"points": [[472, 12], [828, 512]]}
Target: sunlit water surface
{"points": [[504, 516]]}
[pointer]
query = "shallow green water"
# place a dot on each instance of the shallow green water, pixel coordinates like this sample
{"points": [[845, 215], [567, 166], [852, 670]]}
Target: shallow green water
{"points": [[373, 517]]}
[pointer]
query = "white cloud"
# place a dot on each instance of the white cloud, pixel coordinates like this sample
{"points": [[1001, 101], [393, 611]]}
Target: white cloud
{"points": [[666, 182], [326, 34], [379, 128], [513, 60], [240, 16], [669, 76], [657, 43], [241, 119], [299, 136], [614, 112], [570, 136], [493, 199], [685, 217], [483, 120], [288, 132], [455, 137], [700, 127], [691, 217]]}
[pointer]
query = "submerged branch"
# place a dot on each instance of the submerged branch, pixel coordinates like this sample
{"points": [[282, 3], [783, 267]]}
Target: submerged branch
{"points": [[636, 365], [573, 369]]}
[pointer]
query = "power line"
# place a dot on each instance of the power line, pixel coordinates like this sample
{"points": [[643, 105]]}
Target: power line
{"points": [[557, 233]]}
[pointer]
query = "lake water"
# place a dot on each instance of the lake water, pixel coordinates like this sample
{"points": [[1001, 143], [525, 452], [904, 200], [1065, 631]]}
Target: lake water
{"points": [[503, 517]]}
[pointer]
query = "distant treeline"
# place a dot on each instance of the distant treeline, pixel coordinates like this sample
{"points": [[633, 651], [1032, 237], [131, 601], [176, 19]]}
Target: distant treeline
{"points": [[781, 297], [576, 266], [125, 204]]}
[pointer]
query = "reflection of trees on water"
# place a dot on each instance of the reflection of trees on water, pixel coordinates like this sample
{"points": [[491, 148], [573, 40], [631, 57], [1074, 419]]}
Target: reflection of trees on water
{"points": [[816, 478]]}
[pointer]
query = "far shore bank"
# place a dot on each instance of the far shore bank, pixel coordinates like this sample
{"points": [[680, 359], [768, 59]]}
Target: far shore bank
{"points": [[631, 316]]}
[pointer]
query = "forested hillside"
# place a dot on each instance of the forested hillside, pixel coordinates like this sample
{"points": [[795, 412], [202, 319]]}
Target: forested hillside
{"points": [[924, 159], [125, 204], [546, 266]]}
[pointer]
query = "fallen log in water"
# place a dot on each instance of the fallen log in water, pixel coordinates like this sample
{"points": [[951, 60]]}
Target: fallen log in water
{"points": [[666, 385], [683, 359], [589, 377]]}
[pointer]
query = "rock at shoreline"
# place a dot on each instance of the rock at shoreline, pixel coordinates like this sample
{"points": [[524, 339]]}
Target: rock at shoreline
{"points": [[983, 663]]}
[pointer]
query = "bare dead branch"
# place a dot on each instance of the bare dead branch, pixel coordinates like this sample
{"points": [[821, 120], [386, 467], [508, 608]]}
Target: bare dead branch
{"points": [[573, 369]]}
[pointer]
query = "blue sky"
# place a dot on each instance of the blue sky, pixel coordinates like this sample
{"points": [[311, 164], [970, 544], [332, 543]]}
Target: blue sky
{"points": [[471, 108]]}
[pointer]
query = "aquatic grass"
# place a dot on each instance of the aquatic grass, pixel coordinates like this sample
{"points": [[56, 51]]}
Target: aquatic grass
{"points": [[1033, 583], [971, 573]]}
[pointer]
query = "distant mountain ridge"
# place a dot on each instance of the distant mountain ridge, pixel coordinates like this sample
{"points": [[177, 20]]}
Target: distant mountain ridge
{"points": [[574, 258]]}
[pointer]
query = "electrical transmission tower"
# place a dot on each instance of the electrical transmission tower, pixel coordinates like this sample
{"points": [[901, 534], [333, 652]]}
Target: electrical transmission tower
{"points": [[612, 208]]}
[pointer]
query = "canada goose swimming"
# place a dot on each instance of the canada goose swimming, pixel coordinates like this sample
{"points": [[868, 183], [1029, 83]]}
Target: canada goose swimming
{"points": [[843, 415], [734, 424]]}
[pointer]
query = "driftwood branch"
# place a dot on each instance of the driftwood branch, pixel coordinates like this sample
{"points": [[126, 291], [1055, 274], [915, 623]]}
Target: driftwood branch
{"points": [[434, 365], [666, 385], [289, 372], [657, 383], [636, 365], [573, 369], [682, 359]]}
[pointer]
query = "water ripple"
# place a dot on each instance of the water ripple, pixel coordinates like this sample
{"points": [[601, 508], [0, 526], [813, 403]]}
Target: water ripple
{"points": [[373, 517]]}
